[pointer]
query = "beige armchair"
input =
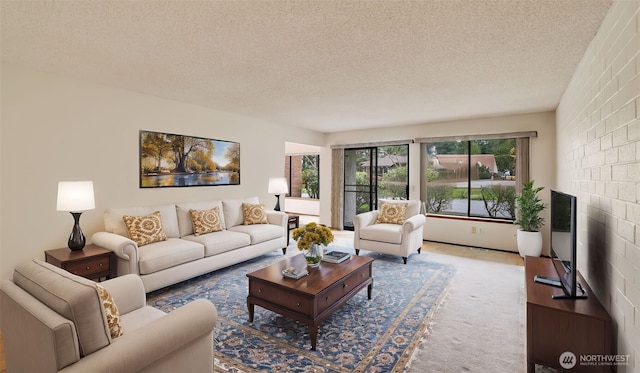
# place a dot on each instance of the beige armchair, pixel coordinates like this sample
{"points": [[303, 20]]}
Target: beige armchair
{"points": [[54, 321], [395, 229]]}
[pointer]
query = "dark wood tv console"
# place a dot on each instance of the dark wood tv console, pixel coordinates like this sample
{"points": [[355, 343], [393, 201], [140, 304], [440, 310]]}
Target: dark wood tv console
{"points": [[556, 326]]}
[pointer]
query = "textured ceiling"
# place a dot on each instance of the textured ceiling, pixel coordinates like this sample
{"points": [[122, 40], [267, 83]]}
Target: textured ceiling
{"points": [[328, 65]]}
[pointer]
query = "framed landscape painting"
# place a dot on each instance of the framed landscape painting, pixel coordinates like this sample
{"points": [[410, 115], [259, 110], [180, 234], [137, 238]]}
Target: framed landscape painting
{"points": [[168, 160]]}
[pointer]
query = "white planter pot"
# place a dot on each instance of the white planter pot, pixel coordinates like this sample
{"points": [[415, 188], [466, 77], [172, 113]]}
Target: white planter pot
{"points": [[529, 243]]}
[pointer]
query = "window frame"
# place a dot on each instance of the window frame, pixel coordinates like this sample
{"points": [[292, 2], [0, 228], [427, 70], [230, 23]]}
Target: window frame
{"points": [[522, 166], [288, 172]]}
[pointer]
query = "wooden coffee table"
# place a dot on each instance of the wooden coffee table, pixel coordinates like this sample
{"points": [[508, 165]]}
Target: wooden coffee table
{"points": [[312, 298]]}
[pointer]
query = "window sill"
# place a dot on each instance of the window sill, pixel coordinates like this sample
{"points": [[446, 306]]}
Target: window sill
{"points": [[467, 218]]}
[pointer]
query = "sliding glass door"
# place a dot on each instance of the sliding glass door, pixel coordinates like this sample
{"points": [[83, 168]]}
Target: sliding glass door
{"points": [[359, 183], [373, 173]]}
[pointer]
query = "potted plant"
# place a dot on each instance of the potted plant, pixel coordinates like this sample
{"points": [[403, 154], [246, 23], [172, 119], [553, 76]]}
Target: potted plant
{"points": [[528, 209]]}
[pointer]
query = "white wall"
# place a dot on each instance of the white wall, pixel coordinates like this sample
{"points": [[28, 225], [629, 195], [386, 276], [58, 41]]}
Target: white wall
{"points": [[54, 129], [598, 132], [490, 235], [302, 206]]}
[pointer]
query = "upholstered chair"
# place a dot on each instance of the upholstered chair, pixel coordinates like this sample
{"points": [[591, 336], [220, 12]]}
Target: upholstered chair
{"points": [[395, 229], [54, 321]]}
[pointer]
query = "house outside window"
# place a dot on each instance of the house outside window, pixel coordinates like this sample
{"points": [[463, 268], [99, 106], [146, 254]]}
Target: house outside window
{"points": [[392, 172], [474, 178]]}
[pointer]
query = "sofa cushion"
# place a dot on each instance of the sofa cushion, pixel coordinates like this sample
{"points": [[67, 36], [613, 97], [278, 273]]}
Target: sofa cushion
{"points": [[165, 254], [254, 214], [206, 221], [73, 297], [185, 224], [113, 222], [232, 210], [390, 233], [259, 232], [111, 312], [392, 213], [219, 242], [144, 230], [413, 206]]}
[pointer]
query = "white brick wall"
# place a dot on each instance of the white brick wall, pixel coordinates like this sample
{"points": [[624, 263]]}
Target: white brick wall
{"points": [[598, 147]]}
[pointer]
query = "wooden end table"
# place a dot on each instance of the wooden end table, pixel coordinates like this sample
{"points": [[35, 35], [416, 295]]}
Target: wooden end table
{"points": [[293, 222], [312, 298], [92, 262]]}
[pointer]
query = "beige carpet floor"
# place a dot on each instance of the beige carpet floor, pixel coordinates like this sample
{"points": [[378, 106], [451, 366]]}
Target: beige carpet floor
{"points": [[479, 327]]}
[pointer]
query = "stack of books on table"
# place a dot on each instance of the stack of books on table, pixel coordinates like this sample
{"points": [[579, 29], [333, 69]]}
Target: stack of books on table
{"points": [[335, 257], [294, 273]]}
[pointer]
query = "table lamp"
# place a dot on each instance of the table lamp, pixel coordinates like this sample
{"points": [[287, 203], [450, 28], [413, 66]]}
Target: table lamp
{"points": [[278, 185], [75, 197]]}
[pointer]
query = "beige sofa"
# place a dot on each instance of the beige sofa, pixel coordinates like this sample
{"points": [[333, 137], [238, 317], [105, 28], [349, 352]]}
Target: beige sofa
{"points": [[184, 255], [54, 321], [399, 238]]}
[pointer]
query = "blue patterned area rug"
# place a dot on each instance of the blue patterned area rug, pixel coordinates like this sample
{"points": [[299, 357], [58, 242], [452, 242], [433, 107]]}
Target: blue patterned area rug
{"points": [[377, 335]]}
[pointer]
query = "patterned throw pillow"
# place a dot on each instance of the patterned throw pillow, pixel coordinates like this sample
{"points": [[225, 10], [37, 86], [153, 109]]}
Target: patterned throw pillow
{"points": [[144, 230], [205, 221], [254, 214], [392, 213], [111, 311]]}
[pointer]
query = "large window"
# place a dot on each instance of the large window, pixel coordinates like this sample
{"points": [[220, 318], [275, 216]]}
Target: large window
{"points": [[471, 178], [302, 174]]}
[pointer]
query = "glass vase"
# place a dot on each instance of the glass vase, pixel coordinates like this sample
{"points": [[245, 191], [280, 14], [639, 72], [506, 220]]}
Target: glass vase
{"points": [[313, 255]]}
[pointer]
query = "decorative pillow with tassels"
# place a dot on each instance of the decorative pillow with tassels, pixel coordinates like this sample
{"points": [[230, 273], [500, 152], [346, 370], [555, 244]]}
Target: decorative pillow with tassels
{"points": [[392, 213]]}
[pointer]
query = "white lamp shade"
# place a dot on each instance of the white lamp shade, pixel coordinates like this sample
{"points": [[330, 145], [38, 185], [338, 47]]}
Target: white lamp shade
{"points": [[75, 196], [278, 185]]}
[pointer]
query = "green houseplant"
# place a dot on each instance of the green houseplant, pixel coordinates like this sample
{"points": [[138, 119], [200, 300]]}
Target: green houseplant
{"points": [[528, 209]]}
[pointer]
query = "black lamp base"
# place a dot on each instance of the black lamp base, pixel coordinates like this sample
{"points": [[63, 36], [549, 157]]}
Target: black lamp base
{"points": [[76, 239], [277, 208]]}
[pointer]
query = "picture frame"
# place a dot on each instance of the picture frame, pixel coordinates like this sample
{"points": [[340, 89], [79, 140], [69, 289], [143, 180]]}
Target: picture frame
{"points": [[170, 160]]}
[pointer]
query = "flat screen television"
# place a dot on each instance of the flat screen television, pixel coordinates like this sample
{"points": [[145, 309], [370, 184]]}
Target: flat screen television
{"points": [[564, 246]]}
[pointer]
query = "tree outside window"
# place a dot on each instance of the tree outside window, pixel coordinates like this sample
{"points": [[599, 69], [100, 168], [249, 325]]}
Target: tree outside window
{"points": [[302, 174], [393, 177]]}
